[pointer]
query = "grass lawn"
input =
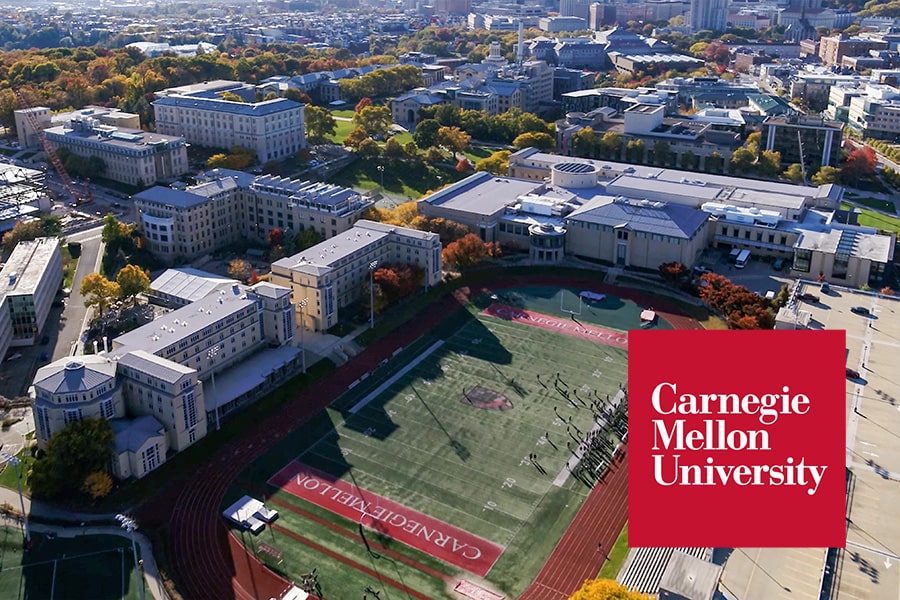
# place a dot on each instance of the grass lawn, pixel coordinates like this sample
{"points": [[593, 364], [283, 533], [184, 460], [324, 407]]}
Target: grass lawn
{"points": [[69, 266], [616, 556], [476, 153], [402, 179], [870, 218], [342, 131], [344, 113], [875, 203], [8, 474], [97, 567], [417, 443]]}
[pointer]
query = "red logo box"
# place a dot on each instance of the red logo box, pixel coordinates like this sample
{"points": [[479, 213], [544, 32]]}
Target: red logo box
{"points": [[764, 467]]}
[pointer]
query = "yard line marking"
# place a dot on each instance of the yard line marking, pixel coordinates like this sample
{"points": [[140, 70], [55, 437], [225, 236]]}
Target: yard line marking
{"points": [[395, 377]]}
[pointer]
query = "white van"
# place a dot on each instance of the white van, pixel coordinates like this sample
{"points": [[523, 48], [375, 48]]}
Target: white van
{"points": [[741, 261]]}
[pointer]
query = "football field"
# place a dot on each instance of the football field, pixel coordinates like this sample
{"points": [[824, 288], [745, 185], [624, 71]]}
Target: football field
{"points": [[453, 461]]}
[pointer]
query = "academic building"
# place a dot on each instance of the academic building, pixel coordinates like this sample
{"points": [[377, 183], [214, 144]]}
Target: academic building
{"points": [[274, 129], [333, 274], [29, 281], [232, 207]]}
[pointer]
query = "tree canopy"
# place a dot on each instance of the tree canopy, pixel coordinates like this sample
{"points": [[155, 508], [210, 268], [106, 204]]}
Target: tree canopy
{"points": [[606, 589], [73, 453]]}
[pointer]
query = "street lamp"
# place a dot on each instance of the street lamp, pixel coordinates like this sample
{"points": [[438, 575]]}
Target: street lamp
{"points": [[381, 172], [372, 266], [14, 461], [130, 525], [301, 305], [211, 356]]}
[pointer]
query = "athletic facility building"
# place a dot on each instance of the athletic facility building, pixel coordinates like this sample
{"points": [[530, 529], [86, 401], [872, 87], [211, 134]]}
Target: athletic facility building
{"points": [[638, 216]]}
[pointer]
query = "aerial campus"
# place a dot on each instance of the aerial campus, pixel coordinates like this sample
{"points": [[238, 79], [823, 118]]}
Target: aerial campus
{"points": [[332, 299]]}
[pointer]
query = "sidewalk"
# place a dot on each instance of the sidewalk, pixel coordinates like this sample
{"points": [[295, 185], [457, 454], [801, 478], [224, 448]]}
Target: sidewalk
{"points": [[41, 510]]}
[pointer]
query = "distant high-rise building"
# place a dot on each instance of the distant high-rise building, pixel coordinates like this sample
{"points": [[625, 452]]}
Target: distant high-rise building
{"points": [[708, 14], [567, 8]]}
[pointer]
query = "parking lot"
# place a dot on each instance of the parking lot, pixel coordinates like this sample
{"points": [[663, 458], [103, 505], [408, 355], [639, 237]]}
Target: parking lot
{"points": [[758, 276], [868, 568]]}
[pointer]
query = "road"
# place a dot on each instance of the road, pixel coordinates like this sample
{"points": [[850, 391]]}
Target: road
{"points": [[72, 326]]}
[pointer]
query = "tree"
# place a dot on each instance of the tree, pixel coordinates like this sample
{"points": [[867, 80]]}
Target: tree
{"points": [[132, 280], [469, 251], [239, 269], [689, 161], [742, 159], [860, 163], [99, 291], [22, 231], [606, 589], [305, 239], [673, 272], [611, 145], [584, 142], [238, 158], [368, 148], [662, 152], [714, 163], [497, 163], [794, 173], [634, 151], [463, 165], [425, 135], [320, 125], [73, 453], [769, 163], [356, 137], [97, 485], [393, 149], [276, 237], [825, 175], [363, 102], [453, 139], [541, 141], [374, 120]]}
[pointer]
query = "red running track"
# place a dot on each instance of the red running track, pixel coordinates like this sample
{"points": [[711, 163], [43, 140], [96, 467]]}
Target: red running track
{"points": [[210, 564], [589, 538]]}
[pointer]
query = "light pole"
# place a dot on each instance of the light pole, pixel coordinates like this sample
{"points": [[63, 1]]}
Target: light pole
{"points": [[14, 461], [301, 305], [130, 525], [372, 266], [381, 172], [211, 356]]}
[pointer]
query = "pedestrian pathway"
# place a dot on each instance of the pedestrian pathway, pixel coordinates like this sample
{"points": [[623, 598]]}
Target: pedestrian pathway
{"points": [[88, 524]]}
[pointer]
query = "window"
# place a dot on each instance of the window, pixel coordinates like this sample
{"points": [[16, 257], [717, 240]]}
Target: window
{"points": [[107, 410], [72, 415], [43, 423], [190, 410], [802, 258]]}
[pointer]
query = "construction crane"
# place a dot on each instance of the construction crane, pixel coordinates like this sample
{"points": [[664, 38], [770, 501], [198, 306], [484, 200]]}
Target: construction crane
{"points": [[67, 182]]}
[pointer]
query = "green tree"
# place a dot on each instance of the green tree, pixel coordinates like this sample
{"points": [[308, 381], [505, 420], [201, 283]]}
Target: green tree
{"points": [[634, 151], [742, 159], [307, 239], [662, 152], [393, 149], [769, 163], [689, 161], [425, 135], [541, 141], [826, 175], [374, 120], [611, 145], [368, 148], [320, 125], [132, 281], [73, 453], [584, 142]]}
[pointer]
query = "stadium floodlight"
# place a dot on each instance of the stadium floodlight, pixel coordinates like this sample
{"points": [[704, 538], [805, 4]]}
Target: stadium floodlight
{"points": [[372, 266], [14, 461], [302, 305], [211, 357], [130, 525]]}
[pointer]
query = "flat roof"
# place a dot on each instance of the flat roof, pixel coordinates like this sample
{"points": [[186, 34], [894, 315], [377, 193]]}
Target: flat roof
{"points": [[181, 323], [691, 577], [256, 109], [640, 187], [188, 198], [25, 267], [188, 284], [481, 194]]}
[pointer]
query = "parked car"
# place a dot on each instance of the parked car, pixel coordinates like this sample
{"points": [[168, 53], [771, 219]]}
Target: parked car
{"points": [[807, 297], [778, 264], [852, 373], [860, 310], [826, 288], [701, 269]]}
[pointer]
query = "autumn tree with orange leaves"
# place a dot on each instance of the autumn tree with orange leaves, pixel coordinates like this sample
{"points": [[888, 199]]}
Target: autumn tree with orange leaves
{"points": [[468, 251], [742, 308]]}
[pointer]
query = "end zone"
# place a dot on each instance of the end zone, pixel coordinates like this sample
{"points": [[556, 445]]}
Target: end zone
{"points": [[417, 530], [608, 337]]}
